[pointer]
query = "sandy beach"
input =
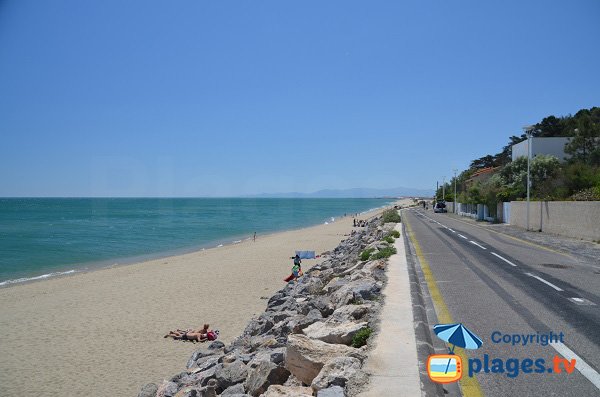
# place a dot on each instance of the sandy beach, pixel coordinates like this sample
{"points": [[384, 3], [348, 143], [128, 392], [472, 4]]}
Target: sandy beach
{"points": [[101, 333]]}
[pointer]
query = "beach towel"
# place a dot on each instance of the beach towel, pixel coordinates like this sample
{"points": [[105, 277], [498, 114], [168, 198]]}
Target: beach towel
{"points": [[289, 278], [306, 254]]}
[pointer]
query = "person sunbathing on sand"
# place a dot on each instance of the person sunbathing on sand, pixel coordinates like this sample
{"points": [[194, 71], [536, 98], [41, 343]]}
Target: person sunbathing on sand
{"points": [[199, 335]]}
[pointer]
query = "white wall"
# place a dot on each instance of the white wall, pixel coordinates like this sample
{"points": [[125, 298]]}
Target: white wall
{"points": [[552, 146], [577, 219]]}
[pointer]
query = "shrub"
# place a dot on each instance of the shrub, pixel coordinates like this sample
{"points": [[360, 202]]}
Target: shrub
{"points": [[395, 234], [360, 338], [385, 253], [366, 254], [389, 239], [591, 194], [390, 215]]}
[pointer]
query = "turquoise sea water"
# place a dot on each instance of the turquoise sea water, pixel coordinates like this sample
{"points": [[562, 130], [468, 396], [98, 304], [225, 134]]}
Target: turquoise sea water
{"points": [[43, 237]]}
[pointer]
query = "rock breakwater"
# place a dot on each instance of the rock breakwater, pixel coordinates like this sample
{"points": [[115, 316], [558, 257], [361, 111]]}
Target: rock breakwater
{"points": [[310, 340]]}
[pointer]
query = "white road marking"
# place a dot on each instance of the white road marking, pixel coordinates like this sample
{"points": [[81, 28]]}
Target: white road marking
{"points": [[577, 299], [480, 246], [545, 282], [461, 236], [451, 230], [504, 259], [583, 367]]}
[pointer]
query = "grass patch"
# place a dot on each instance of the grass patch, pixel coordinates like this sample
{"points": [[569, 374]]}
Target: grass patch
{"points": [[394, 234], [389, 239], [366, 254], [391, 216], [360, 338], [385, 253]]}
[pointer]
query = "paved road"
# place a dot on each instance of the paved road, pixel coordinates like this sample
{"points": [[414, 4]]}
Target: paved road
{"points": [[496, 283]]}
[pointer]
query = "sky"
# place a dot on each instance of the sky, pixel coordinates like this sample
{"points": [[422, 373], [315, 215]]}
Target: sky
{"points": [[226, 98]]}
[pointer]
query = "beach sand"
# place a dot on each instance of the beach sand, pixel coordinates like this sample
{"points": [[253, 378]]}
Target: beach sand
{"points": [[101, 333]]}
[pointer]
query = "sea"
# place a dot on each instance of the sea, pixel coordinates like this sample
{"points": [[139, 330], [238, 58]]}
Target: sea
{"points": [[48, 237]]}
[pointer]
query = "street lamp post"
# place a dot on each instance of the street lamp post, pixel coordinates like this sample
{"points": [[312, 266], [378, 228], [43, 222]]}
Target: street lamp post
{"points": [[528, 130]]}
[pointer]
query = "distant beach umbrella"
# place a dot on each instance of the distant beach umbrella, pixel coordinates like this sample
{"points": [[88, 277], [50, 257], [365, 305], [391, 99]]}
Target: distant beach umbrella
{"points": [[457, 335]]}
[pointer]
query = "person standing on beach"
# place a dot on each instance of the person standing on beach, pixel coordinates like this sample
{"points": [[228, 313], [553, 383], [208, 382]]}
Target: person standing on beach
{"points": [[254, 238], [298, 262]]}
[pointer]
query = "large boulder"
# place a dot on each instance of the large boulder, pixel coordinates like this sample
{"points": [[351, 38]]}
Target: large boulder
{"points": [[322, 303], [337, 372], [231, 374], [202, 378], [148, 390], [167, 389], [288, 391], [200, 353], [351, 312], [333, 391], [334, 332], [258, 326], [264, 375], [233, 390], [306, 357], [357, 290], [298, 323], [334, 284], [205, 363], [307, 285], [281, 302], [273, 355]]}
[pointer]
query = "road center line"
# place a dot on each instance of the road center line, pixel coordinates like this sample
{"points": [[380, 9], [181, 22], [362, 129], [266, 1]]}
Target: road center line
{"points": [[504, 259], [461, 236], [453, 231], [480, 246], [583, 367], [545, 282]]}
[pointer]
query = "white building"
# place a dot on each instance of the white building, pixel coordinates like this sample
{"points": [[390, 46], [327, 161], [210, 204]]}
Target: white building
{"points": [[554, 146]]}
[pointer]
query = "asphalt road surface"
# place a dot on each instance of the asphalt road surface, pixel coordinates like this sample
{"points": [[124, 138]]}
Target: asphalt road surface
{"points": [[499, 286]]}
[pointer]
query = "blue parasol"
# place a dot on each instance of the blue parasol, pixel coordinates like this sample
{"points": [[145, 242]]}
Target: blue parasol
{"points": [[457, 335]]}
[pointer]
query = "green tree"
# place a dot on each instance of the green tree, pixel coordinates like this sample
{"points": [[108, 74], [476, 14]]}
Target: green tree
{"points": [[584, 145]]}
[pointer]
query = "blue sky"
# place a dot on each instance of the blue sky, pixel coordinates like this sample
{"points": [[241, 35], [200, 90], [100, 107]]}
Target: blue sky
{"points": [[198, 98]]}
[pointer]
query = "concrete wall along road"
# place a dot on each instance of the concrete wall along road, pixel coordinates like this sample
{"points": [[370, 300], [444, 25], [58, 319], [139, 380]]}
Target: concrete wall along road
{"points": [[579, 219]]}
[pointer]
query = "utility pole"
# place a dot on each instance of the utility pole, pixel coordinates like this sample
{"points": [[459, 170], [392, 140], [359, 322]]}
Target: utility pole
{"points": [[455, 199]]}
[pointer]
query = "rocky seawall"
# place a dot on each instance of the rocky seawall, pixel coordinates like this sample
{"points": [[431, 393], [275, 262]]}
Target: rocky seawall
{"points": [[310, 340]]}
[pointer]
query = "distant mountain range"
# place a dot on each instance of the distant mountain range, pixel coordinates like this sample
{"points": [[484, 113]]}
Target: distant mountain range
{"points": [[353, 193]]}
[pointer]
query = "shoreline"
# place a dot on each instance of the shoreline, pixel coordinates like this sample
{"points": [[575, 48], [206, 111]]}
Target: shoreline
{"points": [[103, 330], [83, 268]]}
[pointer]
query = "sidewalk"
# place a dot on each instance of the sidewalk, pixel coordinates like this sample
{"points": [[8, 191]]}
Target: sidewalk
{"points": [[393, 364], [587, 251]]}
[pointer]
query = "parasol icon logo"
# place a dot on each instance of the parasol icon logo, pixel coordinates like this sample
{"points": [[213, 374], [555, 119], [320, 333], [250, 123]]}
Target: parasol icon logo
{"points": [[448, 368]]}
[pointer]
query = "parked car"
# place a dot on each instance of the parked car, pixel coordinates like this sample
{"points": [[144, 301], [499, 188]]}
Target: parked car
{"points": [[440, 207]]}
